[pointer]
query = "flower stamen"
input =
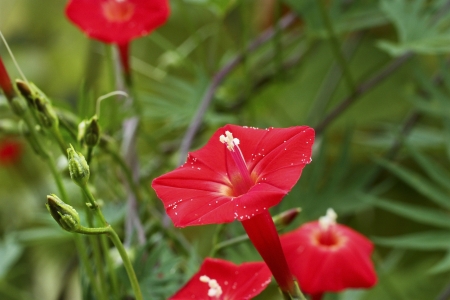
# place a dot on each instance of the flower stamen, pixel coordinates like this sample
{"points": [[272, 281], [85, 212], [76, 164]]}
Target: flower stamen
{"points": [[245, 183], [215, 290], [328, 220]]}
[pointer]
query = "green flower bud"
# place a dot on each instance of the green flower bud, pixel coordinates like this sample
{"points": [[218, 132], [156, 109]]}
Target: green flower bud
{"points": [[25, 91], [286, 217], [78, 167], [89, 132], [65, 215], [46, 113], [38, 100]]}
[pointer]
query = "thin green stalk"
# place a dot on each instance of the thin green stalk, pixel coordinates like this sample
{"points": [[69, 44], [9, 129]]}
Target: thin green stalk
{"points": [[98, 259], [336, 48], [215, 239], [115, 239], [79, 242], [277, 38], [127, 263], [110, 265]]}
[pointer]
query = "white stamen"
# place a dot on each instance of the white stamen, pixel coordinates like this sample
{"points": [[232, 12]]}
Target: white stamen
{"points": [[229, 140], [214, 288], [328, 220]]}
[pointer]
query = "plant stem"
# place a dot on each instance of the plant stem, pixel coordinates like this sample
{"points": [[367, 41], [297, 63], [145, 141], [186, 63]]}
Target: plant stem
{"points": [[115, 239], [127, 263], [335, 47]]}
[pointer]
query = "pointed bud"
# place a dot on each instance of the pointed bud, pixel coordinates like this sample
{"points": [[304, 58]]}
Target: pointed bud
{"points": [[5, 81], [47, 114], [25, 91], [285, 218], [65, 215], [78, 167], [89, 132]]}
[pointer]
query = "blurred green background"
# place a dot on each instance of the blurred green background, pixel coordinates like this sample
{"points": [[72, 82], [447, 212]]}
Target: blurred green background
{"points": [[382, 161]]}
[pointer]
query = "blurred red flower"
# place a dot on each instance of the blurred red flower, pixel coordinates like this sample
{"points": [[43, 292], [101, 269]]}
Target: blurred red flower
{"points": [[238, 175], [5, 81], [329, 257], [117, 21], [220, 279], [10, 151]]}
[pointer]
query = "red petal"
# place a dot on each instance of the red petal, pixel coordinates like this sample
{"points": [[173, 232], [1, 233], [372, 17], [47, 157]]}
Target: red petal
{"points": [[237, 281], [321, 269], [89, 17], [204, 186]]}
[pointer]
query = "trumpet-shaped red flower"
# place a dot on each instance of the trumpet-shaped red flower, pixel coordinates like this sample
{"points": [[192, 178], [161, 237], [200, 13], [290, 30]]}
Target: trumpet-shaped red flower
{"points": [[217, 185], [10, 151], [329, 257], [238, 175], [118, 21], [219, 279]]}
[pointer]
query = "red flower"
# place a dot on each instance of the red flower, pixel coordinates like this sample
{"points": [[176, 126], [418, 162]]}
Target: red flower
{"points": [[219, 279], [118, 21], [329, 257], [5, 82], [211, 188], [238, 175], [10, 151]]}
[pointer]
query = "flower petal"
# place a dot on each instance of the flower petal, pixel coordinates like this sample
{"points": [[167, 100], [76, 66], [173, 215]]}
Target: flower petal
{"points": [[89, 16], [237, 281]]}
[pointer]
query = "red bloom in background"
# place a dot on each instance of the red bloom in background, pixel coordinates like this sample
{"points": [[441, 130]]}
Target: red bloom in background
{"points": [[329, 257], [238, 175], [219, 279], [118, 21], [10, 151]]}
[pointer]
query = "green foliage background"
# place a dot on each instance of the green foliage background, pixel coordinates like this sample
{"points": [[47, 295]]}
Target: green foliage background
{"points": [[382, 162]]}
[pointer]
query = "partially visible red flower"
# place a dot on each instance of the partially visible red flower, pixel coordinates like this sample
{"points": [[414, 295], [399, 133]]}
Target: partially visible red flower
{"points": [[10, 151], [5, 81], [219, 279], [238, 175], [118, 21], [329, 257]]}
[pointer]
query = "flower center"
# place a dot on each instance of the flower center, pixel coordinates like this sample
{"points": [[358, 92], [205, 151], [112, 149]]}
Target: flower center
{"points": [[327, 235], [118, 11], [214, 288], [241, 179]]}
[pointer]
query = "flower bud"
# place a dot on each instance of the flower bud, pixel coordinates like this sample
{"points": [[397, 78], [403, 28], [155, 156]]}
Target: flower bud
{"points": [[89, 132], [65, 215], [78, 167], [38, 100], [286, 217]]}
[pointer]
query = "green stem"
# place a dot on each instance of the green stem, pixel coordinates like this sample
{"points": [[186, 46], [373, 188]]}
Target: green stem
{"points": [[94, 206], [97, 258], [110, 265], [58, 138], [335, 47], [79, 242], [215, 238], [115, 239]]}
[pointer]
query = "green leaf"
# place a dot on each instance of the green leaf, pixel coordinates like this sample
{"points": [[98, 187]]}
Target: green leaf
{"points": [[433, 170], [10, 252], [429, 240], [219, 7], [420, 26], [416, 213], [441, 266], [417, 182]]}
